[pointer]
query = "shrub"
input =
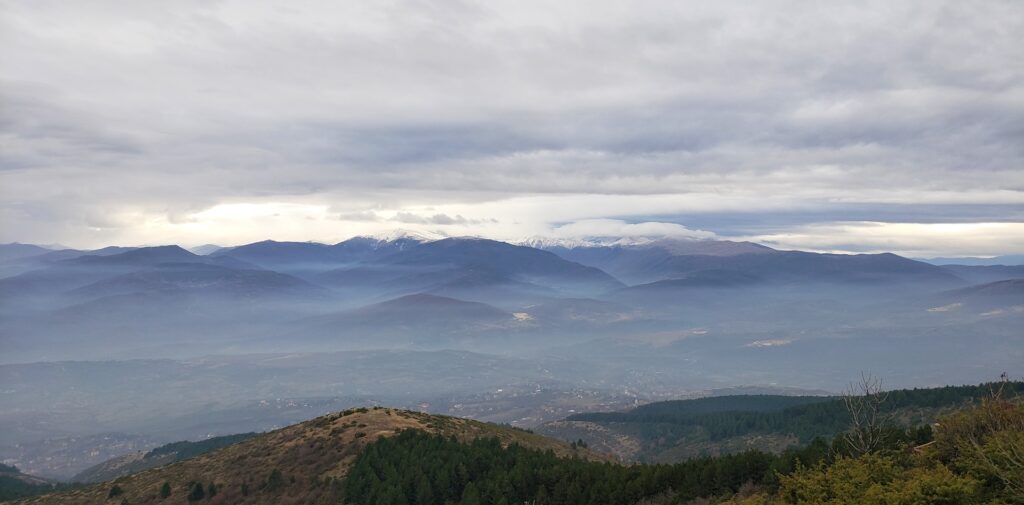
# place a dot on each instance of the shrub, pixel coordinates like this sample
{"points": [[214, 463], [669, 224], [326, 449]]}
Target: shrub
{"points": [[987, 442], [115, 491], [873, 478], [275, 481]]}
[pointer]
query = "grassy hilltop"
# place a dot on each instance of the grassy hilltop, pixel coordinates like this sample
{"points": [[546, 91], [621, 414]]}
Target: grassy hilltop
{"points": [[303, 463]]}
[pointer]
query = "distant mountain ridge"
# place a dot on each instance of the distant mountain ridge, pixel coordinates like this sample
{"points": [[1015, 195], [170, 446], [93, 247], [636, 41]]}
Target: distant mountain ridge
{"points": [[141, 256], [17, 250], [466, 265], [660, 260]]}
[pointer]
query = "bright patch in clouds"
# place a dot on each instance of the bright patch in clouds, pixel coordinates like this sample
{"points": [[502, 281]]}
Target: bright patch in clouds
{"points": [[589, 228], [909, 239]]}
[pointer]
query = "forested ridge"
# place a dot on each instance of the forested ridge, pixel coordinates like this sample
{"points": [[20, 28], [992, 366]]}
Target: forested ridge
{"points": [[418, 468], [804, 417], [186, 449]]}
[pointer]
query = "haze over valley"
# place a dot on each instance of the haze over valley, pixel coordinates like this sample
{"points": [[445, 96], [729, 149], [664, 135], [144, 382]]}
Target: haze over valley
{"points": [[452, 252], [127, 347]]}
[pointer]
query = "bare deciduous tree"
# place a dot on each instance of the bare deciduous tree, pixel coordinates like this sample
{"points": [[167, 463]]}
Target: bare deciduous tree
{"points": [[864, 400]]}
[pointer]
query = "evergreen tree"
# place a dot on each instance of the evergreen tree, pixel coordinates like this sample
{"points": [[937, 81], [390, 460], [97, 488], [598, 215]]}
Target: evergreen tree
{"points": [[424, 492], [197, 492], [470, 495]]}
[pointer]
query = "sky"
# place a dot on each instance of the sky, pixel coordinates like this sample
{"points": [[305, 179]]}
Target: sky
{"points": [[849, 126]]}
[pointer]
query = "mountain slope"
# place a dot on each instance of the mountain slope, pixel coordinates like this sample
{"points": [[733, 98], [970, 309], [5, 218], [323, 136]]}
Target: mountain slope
{"points": [[308, 258], [420, 320], [798, 266], [201, 278], [17, 250], [470, 265], [166, 454], [986, 273], [142, 256], [674, 259], [649, 261], [1007, 295], [14, 484], [50, 258], [303, 463], [66, 274]]}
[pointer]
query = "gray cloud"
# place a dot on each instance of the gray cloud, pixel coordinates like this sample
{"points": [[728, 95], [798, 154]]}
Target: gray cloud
{"points": [[121, 113], [368, 216], [437, 219]]}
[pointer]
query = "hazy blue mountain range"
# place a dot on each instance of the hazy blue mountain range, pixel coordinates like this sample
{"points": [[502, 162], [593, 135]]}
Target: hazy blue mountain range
{"points": [[158, 342], [468, 293]]}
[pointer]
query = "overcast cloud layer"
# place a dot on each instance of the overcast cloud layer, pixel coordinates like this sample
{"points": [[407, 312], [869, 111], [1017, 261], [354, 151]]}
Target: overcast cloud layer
{"points": [[848, 126]]}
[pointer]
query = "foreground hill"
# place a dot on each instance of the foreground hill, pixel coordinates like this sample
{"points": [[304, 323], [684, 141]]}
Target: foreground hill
{"points": [[303, 463], [387, 456]]}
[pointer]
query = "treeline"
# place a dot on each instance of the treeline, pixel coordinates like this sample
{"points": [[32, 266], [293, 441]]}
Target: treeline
{"points": [[974, 457], [416, 468], [803, 417]]}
